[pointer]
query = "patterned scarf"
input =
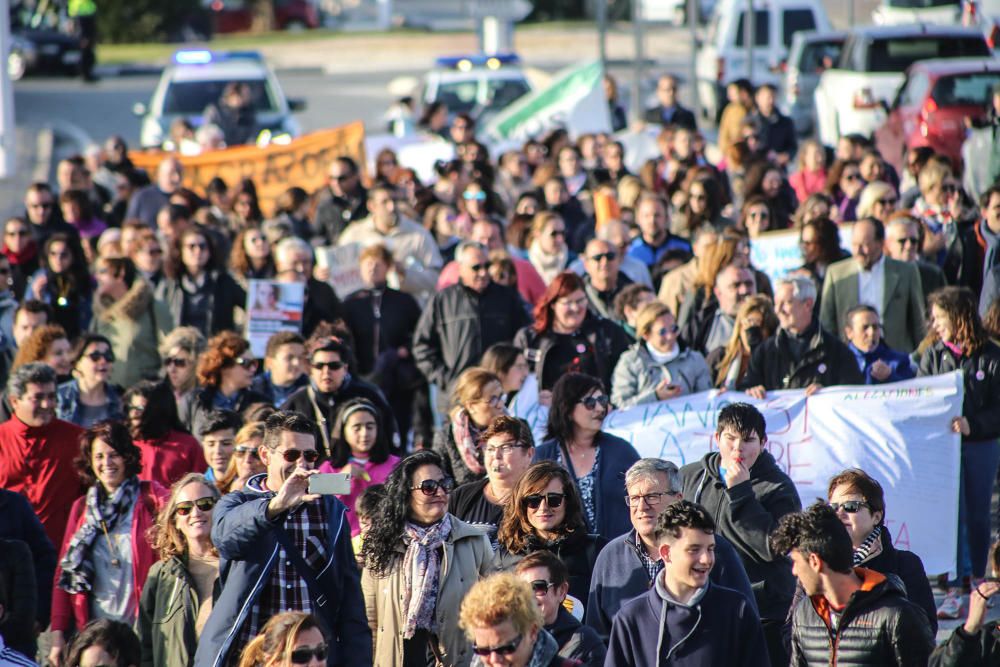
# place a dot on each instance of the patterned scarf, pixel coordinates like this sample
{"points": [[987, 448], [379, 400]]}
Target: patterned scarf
{"points": [[865, 548], [466, 436], [77, 565], [422, 574]]}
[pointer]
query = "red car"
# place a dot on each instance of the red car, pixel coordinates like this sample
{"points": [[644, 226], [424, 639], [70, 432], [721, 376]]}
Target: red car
{"points": [[237, 15], [931, 106]]}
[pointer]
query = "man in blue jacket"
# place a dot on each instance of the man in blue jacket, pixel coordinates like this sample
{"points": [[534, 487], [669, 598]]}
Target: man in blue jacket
{"points": [[685, 619], [282, 548], [628, 565], [876, 360]]}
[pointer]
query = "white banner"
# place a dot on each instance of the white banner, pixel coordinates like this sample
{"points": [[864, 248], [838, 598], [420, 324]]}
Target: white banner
{"points": [[898, 433], [777, 253], [345, 270]]}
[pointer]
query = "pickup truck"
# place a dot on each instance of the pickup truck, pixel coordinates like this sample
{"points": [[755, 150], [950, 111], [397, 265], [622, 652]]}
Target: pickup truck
{"points": [[851, 96]]}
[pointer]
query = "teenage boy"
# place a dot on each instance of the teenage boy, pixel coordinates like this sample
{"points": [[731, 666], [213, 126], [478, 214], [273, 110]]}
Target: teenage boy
{"points": [[217, 438]]}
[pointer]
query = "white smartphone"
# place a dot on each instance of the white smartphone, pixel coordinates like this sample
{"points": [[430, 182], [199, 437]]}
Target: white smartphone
{"points": [[331, 483]]}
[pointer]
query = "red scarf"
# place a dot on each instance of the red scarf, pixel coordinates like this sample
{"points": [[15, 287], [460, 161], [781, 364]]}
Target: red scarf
{"points": [[28, 253]]}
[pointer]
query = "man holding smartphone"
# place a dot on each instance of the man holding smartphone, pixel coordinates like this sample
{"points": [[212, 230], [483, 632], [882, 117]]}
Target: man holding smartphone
{"points": [[283, 548]]}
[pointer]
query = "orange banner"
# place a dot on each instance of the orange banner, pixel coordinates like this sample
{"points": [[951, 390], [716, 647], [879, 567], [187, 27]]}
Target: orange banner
{"points": [[304, 162]]}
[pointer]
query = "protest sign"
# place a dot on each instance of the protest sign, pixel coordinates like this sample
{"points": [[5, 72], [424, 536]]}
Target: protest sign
{"points": [[345, 271], [303, 162], [272, 307], [897, 432]]}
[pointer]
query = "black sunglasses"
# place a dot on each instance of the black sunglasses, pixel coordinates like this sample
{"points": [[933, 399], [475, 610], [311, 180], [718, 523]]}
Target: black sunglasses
{"points": [[541, 587], [850, 506], [246, 363], [503, 649], [175, 361], [553, 500], [592, 402], [204, 504], [429, 487], [97, 355], [476, 268], [292, 455], [243, 450], [610, 256], [672, 329], [332, 365], [302, 656]]}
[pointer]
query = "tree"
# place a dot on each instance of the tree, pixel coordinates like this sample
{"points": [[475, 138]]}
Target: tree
{"points": [[147, 20]]}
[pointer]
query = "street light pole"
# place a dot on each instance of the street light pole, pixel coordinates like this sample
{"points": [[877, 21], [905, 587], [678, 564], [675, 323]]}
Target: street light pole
{"points": [[8, 144], [640, 56], [602, 33]]}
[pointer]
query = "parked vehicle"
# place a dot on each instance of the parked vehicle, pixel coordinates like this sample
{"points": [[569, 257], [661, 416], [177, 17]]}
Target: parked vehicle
{"points": [[40, 43], [812, 53], [849, 98], [902, 12], [932, 105]]}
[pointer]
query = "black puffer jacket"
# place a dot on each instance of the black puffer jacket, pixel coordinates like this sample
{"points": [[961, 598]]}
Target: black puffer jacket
{"points": [[981, 372], [964, 650], [827, 361], [745, 515], [878, 627]]}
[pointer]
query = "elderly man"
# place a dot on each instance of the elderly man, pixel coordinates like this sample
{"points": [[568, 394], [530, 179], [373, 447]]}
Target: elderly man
{"points": [[342, 201], [37, 450], [902, 243], [603, 280], [293, 263], [802, 354], [669, 111], [628, 565], [712, 325], [418, 260], [869, 277], [655, 239], [875, 359], [148, 201]]}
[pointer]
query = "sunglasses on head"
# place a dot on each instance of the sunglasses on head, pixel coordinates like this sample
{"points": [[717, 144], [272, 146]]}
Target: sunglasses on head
{"points": [[97, 355], [429, 487], [205, 504], [592, 402], [849, 506], [293, 455], [541, 587], [175, 361], [503, 649], [332, 365], [302, 656], [553, 500]]}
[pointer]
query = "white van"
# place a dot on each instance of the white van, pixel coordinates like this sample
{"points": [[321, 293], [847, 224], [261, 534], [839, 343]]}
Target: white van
{"points": [[900, 12], [723, 57]]}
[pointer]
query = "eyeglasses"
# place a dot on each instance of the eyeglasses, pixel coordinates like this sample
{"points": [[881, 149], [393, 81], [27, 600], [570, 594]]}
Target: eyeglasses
{"points": [[553, 500], [850, 506], [302, 656], [332, 365], [851, 177], [886, 202], [652, 499], [672, 329], [556, 233], [610, 256], [243, 450], [204, 504], [478, 268], [948, 187], [504, 449], [763, 215], [474, 196], [429, 487], [195, 246], [137, 409], [503, 649], [97, 355], [17, 232], [175, 361], [495, 401], [592, 402], [908, 240], [293, 455], [245, 362], [541, 587]]}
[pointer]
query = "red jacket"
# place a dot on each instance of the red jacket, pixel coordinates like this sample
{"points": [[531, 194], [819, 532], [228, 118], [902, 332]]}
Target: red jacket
{"points": [[38, 463], [73, 609], [168, 459]]}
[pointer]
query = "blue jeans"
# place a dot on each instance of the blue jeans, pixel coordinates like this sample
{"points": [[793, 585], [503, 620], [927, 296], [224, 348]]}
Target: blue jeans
{"points": [[977, 477]]}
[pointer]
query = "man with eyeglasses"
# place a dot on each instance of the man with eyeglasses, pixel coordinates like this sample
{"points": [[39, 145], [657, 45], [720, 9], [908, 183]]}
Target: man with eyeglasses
{"points": [[892, 288], [342, 201], [877, 361], [460, 322], [508, 448], [603, 280], [711, 326], [549, 581], [43, 213], [903, 235], [282, 548], [629, 565], [669, 111]]}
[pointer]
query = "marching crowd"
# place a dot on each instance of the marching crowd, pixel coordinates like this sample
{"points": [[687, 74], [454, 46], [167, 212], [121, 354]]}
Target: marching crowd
{"points": [[155, 500]]}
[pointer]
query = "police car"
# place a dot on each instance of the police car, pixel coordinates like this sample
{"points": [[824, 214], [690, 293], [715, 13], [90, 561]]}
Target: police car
{"points": [[479, 85], [196, 78]]}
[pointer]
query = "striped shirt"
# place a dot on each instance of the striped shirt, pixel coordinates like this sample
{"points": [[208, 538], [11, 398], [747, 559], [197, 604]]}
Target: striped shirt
{"points": [[11, 658]]}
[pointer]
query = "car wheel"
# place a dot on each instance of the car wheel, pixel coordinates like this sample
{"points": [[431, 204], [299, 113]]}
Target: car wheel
{"points": [[17, 66]]}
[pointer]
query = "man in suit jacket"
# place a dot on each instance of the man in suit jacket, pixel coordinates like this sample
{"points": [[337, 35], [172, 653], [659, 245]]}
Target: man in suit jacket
{"points": [[893, 288], [902, 243], [669, 111]]}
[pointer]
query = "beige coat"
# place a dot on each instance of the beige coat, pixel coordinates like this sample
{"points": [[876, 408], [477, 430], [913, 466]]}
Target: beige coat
{"points": [[468, 556], [135, 325]]}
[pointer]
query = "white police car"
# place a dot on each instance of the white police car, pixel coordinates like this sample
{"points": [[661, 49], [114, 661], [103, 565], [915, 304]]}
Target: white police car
{"points": [[479, 85], [195, 79]]}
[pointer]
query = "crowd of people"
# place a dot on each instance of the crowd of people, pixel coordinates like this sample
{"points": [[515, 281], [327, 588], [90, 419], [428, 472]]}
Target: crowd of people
{"points": [[156, 477]]}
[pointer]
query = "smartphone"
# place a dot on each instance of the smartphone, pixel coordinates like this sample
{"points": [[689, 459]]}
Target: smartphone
{"points": [[331, 483]]}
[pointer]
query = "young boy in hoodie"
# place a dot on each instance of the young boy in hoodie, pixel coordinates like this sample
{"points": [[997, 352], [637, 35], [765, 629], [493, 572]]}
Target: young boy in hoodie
{"points": [[742, 487], [685, 620]]}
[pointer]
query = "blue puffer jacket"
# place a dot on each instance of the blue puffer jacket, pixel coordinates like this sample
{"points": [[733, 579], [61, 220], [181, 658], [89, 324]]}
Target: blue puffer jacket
{"points": [[248, 550]]}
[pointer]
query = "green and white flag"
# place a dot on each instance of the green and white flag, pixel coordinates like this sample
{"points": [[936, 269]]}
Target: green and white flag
{"points": [[574, 101]]}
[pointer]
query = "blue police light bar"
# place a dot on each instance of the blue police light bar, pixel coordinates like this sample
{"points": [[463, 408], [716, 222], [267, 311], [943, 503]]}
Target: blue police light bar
{"points": [[465, 63], [204, 56]]}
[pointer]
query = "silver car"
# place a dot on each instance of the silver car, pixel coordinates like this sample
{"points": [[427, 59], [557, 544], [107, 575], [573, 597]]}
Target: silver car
{"points": [[811, 52]]}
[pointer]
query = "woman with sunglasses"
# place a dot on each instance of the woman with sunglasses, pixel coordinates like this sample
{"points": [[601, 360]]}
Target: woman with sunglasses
{"points": [[289, 638], [419, 562], [596, 460], [105, 555], [766, 180], [20, 247], [90, 397], [180, 351], [361, 449], [177, 597], [198, 292], [656, 368], [251, 258], [545, 512], [63, 282], [168, 453], [476, 399], [225, 373], [878, 200], [245, 461]]}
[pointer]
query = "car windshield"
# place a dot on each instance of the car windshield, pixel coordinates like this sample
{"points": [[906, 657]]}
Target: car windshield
{"points": [[192, 97], [501, 92], [818, 56], [458, 96], [973, 90], [920, 4], [895, 55]]}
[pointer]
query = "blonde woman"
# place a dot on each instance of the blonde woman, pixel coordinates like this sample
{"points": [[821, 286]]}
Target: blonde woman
{"points": [[177, 597], [477, 399], [878, 200], [755, 323], [291, 638], [245, 462], [180, 351]]}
